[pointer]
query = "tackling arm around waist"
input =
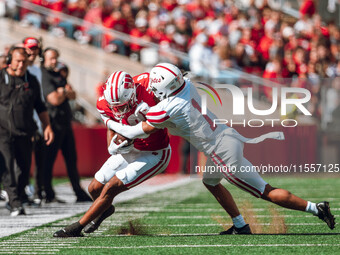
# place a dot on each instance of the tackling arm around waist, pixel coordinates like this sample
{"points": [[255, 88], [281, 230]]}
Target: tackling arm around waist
{"points": [[141, 130]]}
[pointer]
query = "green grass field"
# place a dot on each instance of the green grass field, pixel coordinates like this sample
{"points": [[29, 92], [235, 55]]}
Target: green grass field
{"points": [[187, 220]]}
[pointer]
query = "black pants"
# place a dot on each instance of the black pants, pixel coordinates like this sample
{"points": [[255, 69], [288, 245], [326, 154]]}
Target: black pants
{"points": [[39, 148], [15, 150], [64, 140]]}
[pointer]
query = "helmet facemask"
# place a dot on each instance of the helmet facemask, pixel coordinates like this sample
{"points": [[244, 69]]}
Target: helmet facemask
{"points": [[119, 110], [158, 94], [120, 94]]}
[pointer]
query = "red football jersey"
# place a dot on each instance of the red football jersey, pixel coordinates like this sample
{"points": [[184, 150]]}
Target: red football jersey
{"points": [[156, 141]]}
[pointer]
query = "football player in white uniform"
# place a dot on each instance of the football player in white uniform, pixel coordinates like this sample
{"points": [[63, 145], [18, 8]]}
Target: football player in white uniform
{"points": [[125, 100], [179, 110]]}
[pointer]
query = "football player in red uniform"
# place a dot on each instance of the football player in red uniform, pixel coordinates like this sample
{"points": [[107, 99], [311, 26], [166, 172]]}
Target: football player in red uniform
{"points": [[131, 162]]}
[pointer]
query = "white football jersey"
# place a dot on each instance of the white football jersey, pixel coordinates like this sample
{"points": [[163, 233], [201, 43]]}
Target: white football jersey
{"points": [[181, 115]]}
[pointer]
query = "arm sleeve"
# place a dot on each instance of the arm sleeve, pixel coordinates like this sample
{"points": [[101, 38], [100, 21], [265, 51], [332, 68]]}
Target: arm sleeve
{"points": [[39, 104], [103, 110], [157, 117], [50, 83], [105, 118], [47, 84], [130, 132]]}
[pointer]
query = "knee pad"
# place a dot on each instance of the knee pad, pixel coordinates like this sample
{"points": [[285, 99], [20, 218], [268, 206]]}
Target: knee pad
{"points": [[99, 176], [211, 181]]}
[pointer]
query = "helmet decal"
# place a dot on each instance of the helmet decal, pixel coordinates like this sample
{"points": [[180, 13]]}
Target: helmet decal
{"points": [[165, 79]]}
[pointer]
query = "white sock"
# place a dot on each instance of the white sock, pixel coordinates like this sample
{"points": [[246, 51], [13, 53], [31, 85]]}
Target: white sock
{"points": [[311, 208], [239, 221]]}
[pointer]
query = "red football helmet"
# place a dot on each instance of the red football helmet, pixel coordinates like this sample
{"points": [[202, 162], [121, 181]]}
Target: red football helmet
{"points": [[120, 93]]}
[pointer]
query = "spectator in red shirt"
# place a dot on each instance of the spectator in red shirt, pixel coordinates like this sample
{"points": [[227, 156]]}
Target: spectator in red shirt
{"points": [[307, 7], [169, 5], [30, 17], [246, 38], [272, 72], [265, 44], [94, 15], [117, 22], [138, 32], [156, 30]]}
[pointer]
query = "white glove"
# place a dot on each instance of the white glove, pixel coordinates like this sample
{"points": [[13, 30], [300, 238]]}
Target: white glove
{"points": [[142, 108], [119, 149]]}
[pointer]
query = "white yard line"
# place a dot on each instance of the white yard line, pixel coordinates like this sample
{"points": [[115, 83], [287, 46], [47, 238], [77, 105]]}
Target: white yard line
{"points": [[204, 246], [196, 210], [41, 241], [227, 217], [51, 212], [214, 224], [33, 243]]}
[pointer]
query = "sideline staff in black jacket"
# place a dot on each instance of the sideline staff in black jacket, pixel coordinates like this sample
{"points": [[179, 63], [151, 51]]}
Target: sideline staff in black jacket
{"points": [[57, 93], [19, 96]]}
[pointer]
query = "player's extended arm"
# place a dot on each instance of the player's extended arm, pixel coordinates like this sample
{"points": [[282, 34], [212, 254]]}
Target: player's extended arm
{"points": [[109, 136], [141, 130]]}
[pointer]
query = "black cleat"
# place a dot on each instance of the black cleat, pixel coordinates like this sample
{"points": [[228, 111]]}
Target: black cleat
{"points": [[94, 225], [64, 233], [245, 230], [54, 200], [84, 198], [324, 213]]}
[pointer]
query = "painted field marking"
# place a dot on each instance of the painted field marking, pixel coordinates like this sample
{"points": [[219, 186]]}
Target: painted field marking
{"points": [[206, 245], [215, 224], [227, 217], [158, 209]]}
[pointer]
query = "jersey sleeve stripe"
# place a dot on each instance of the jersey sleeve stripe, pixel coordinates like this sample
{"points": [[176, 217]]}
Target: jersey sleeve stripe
{"points": [[156, 117], [159, 120], [155, 113]]}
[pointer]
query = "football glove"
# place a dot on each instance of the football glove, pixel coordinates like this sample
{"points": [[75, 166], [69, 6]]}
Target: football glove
{"points": [[142, 108], [119, 148]]}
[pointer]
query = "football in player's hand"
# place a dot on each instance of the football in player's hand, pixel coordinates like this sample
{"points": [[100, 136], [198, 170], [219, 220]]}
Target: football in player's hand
{"points": [[120, 138]]}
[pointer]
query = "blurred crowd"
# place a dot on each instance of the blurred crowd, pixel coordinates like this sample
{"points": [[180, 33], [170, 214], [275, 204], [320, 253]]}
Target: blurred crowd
{"points": [[217, 35], [249, 38]]}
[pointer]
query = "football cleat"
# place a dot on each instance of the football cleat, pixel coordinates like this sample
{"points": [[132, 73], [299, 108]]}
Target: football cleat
{"points": [[54, 200], [245, 230], [94, 225], [17, 211], [324, 213], [83, 198], [64, 233]]}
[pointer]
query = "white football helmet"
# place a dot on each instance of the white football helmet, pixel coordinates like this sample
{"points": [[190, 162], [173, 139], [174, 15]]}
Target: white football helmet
{"points": [[165, 79], [120, 93]]}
